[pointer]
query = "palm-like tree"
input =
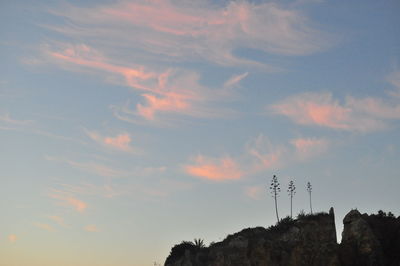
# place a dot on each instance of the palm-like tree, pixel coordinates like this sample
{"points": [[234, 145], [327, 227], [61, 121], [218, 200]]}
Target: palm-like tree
{"points": [[275, 189], [291, 191], [199, 243]]}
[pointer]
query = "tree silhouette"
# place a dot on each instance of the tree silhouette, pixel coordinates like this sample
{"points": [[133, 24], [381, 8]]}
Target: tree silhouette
{"points": [[199, 243], [275, 189], [309, 189], [291, 191]]}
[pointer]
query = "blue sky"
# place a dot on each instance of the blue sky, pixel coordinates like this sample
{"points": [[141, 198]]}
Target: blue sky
{"points": [[129, 126]]}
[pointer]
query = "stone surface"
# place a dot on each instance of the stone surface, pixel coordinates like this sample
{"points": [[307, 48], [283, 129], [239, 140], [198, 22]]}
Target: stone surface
{"points": [[308, 241]]}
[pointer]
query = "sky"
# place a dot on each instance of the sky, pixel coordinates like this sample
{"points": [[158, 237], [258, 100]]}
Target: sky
{"points": [[129, 126]]}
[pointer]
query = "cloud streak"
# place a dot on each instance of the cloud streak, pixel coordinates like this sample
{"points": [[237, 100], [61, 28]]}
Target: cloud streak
{"points": [[91, 167], [214, 169], [68, 200], [353, 114], [195, 30], [120, 142], [259, 155], [168, 91], [44, 226], [91, 228]]}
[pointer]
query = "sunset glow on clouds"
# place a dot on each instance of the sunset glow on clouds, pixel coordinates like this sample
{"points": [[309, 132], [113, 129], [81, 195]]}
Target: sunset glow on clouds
{"points": [[119, 116], [46, 227], [12, 238], [214, 169], [91, 228], [321, 109], [68, 200], [198, 30], [120, 142]]}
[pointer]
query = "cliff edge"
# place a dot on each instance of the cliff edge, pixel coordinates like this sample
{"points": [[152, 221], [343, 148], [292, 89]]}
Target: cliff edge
{"points": [[309, 240]]}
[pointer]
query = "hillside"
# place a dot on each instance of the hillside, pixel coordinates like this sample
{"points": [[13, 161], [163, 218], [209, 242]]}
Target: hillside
{"points": [[309, 240]]}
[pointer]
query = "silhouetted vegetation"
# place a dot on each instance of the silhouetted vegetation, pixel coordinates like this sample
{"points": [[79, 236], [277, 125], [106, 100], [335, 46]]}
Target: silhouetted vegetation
{"points": [[310, 216], [275, 190], [199, 243], [309, 189], [281, 226], [291, 191], [179, 250]]}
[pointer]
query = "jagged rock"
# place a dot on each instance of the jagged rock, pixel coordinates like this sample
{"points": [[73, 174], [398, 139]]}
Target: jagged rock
{"points": [[370, 240], [308, 241]]}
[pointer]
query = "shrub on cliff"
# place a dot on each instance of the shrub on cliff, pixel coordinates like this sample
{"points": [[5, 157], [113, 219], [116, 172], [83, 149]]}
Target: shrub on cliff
{"points": [[179, 250]]}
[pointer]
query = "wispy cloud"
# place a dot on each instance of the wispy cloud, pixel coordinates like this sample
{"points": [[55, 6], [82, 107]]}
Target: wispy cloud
{"points": [[58, 219], [120, 142], [91, 228], [45, 226], [254, 192], [5, 118], [214, 169], [353, 114], [12, 238], [30, 126], [259, 155], [91, 167], [195, 30], [308, 147], [234, 80], [168, 91], [69, 200]]}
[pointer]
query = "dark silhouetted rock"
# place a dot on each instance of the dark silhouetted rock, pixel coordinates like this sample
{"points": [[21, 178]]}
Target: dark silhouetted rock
{"points": [[307, 241], [370, 240], [310, 240]]}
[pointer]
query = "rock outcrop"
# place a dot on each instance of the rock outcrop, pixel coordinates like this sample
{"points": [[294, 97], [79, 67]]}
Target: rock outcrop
{"points": [[370, 240], [310, 240]]}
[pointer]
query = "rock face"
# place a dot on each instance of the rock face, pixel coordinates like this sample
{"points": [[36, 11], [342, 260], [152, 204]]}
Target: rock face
{"points": [[308, 241], [370, 240]]}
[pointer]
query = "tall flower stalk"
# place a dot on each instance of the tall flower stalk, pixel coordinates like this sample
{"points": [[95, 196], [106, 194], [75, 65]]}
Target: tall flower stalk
{"points": [[291, 191], [309, 189], [275, 190]]}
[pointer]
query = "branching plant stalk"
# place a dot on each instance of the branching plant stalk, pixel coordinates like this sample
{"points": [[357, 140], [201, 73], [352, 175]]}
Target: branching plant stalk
{"points": [[309, 189], [275, 189], [291, 191]]}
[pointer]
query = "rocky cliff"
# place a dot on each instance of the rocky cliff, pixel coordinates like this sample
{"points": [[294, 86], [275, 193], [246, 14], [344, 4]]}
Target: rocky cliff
{"points": [[309, 240]]}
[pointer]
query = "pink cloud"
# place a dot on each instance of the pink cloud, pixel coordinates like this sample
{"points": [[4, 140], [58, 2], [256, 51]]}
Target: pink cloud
{"points": [[314, 109], [171, 103], [309, 147], [46, 227], [187, 30], [69, 200], [91, 228], [59, 220], [120, 142], [254, 192], [170, 91], [263, 154], [214, 169], [12, 238], [234, 80], [320, 109], [259, 155]]}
